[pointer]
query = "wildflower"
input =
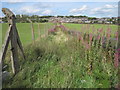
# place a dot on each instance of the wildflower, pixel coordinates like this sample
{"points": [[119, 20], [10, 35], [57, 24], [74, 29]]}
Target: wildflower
{"points": [[90, 37], [101, 30], [116, 35], [80, 38], [103, 40], [51, 30], [116, 59], [118, 50], [63, 27], [87, 45], [98, 37], [108, 35], [108, 30]]}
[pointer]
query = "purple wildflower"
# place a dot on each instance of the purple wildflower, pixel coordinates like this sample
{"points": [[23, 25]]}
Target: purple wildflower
{"points": [[90, 37], [116, 35], [116, 59], [63, 27], [98, 37]]}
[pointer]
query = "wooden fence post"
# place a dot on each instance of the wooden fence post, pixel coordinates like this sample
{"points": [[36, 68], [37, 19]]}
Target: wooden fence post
{"points": [[12, 36], [39, 30], [32, 29], [14, 50], [33, 34]]}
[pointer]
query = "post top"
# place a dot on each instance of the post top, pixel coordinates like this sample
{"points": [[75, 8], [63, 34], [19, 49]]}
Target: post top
{"points": [[7, 12]]}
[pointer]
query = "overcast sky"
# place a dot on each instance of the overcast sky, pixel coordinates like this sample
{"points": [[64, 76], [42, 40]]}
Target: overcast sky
{"points": [[93, 9]]}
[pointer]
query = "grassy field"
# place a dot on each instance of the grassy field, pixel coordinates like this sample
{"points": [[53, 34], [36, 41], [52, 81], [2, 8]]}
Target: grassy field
{"points": [[60, 60], [92, 28], [24, 29]]}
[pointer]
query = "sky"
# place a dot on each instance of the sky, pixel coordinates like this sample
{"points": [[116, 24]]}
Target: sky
{"points": [[88, 8]]}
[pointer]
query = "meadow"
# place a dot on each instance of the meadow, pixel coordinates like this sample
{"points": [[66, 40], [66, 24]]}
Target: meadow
{"points": [[24, 29], [61, 60]]}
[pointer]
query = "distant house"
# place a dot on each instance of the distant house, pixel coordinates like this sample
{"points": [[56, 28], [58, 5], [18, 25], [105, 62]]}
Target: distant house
{"points": [[108, 22], [100, 21], [87, 22]]}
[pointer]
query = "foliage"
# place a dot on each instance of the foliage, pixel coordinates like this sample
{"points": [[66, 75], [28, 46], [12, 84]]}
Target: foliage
{"points": [[70, 64]]}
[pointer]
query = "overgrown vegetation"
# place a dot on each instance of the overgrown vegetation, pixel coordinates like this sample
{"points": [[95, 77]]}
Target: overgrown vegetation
{"points": [[69, 64]]}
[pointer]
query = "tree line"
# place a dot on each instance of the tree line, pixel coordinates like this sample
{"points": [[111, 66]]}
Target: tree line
{"points": [[42, 19], [36, 18]]}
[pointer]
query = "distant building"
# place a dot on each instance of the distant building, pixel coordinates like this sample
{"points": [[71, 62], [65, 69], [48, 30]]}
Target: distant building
{"points": [[87, 22]]}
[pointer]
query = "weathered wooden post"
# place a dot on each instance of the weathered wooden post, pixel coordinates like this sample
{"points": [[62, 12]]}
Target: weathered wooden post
{"points": [[32, 28], [39, 29], [12, 35]]}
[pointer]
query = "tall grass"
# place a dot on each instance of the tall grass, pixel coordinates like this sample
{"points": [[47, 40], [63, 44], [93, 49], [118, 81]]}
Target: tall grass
{"points": [[79, 62]]}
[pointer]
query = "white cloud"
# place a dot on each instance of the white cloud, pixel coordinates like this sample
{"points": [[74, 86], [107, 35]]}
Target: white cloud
{"points": [[47, 12], [76, 10], [108, 6], [95, 10], [106, 9], [42, 5], [29, 10], [77, 15], [37, 8]]}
